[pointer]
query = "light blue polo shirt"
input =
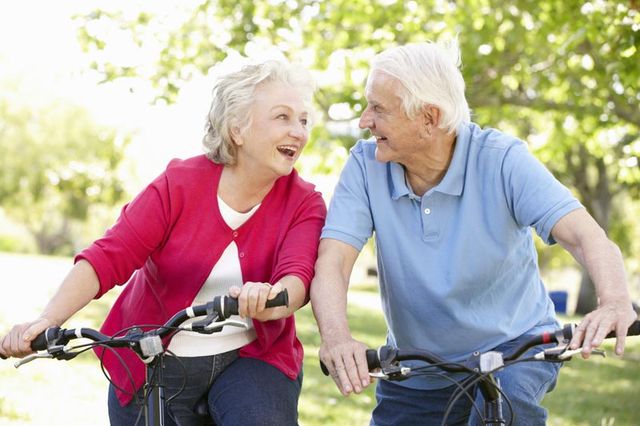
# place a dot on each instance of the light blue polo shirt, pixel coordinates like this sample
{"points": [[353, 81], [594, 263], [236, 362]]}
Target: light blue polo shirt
{"points": [[457, 267]]}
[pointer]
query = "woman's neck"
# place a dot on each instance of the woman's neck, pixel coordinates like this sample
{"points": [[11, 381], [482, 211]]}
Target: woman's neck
{"points": [[242, 190]]}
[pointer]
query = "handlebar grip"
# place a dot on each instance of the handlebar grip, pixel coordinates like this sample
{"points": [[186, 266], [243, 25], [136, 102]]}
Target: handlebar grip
{"points": [[282, 299], [231, 304], [43, 339], [634, 330], [41, 342], [373, 362], [324, 368]]}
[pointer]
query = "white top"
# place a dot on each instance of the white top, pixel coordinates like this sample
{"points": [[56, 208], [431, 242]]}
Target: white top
{"points": [[225, 273]]}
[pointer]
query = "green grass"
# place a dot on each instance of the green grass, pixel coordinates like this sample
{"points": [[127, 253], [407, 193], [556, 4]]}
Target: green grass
{"points": [[601, 392], [320, 402], [598, 390]]}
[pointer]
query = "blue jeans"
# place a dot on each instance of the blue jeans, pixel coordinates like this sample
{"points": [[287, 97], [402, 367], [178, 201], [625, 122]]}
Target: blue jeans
{"points": [[525, 384], [239, 391]]}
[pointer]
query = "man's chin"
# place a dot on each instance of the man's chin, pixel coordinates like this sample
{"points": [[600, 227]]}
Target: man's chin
{"points": [[381, 157]]}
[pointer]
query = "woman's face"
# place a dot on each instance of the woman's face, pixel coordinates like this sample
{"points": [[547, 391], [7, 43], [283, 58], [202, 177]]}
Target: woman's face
{"points": [[273, 142]]}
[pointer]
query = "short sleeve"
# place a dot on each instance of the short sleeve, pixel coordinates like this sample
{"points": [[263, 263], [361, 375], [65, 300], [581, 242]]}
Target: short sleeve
{"points": [[349, 218], [535, 196]]}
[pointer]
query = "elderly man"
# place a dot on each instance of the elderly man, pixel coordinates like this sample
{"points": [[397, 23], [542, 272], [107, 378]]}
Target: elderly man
{"points": [[452, 206]]}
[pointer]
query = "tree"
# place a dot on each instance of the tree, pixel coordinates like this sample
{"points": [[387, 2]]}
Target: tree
{"points": [[56, 168], [562, 75]]}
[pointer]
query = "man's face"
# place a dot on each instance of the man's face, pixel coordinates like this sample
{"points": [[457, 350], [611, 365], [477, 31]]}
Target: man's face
{"points": [[397, 136]]}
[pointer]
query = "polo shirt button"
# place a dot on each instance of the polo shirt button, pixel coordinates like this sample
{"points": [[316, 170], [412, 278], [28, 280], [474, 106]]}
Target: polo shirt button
{"points": [[235, 233], [241, 254], [427, 211]]}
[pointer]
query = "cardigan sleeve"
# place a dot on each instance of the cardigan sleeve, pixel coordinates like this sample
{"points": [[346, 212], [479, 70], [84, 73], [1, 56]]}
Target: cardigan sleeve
{"points": [[299, 250], [141, 228]]}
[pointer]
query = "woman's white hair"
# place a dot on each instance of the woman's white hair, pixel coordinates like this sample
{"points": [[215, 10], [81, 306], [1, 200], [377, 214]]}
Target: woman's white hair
{"points": [[233, 95], [431, 75]]}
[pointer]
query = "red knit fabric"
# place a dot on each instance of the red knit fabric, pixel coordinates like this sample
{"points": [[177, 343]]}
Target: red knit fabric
{"points": [[172, 234]]}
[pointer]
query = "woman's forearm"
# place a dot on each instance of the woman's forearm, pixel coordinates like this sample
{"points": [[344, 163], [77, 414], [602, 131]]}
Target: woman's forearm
{"points": [[78, 288]]}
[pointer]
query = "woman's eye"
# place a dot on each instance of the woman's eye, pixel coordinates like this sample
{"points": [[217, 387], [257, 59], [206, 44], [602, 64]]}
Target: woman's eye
{"points": [[283, 116], [304, 122]]}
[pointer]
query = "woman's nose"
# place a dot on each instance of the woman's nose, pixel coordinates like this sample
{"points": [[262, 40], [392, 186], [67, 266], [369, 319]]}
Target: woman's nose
{"points": [[299, 131]]}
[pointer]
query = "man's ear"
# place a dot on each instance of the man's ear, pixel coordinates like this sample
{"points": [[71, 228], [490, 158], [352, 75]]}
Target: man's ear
{"points": [[430, 117]]}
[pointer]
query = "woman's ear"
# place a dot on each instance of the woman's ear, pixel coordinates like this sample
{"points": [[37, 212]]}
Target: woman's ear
{"points": [[236, 135]]}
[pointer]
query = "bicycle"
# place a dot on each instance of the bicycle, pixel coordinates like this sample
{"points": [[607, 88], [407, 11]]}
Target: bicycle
{"points": [[384, 363], [150, 346]]}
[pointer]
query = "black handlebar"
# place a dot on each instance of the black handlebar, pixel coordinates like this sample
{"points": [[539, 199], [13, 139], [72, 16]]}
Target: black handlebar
{"points": [[373, 361], [230, 305], [221, 306], [634, 330], [387, 354]]}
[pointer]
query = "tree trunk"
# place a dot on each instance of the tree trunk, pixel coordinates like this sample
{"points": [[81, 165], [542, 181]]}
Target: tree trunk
{"points": [[587, 299], [51, 241], [598, 201]]}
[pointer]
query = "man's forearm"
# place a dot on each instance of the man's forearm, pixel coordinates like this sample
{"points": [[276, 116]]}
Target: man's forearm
{"points": [[329, 303], [329, 289]]}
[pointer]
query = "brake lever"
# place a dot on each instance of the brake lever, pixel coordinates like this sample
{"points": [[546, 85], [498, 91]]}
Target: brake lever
{"points": [[562, 353], [211, 325], [30, 358], [568, 354], [217, 326]]}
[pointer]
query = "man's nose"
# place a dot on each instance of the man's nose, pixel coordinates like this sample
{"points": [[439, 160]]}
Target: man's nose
{"points": [[365, 120]]}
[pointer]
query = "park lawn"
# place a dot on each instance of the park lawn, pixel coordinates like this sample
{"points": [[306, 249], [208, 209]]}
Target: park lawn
{"points": [[598, 391]]}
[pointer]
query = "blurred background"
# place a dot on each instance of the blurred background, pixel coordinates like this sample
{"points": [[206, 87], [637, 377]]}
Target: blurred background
{"points": [[96, 97]]}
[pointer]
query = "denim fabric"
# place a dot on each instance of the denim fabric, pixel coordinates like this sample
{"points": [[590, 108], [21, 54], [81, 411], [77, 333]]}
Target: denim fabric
{"points": [[398, 405], [524, 384], [251, 392], [200, 374], [240, 391]]}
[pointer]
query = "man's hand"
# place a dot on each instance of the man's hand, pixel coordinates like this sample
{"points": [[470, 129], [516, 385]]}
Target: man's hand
{"points": [[347, 364], [613, 316]]}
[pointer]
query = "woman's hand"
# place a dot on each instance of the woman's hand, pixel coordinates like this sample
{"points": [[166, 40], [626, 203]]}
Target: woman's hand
{"points": [[252, 298], [17, 343]]}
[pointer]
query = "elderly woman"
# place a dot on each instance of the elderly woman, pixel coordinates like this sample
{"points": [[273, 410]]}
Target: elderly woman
{"points": [[240, 221]]}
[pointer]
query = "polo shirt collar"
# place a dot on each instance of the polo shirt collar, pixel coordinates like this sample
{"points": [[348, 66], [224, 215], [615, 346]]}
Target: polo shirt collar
{"points": [[399, 187], [453, 181]]}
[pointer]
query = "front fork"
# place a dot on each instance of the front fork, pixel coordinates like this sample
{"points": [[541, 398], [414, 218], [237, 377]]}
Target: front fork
{"points": [[154, 394], [493, 403]]}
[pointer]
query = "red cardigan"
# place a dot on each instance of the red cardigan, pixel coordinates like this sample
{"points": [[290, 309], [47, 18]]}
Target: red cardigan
{"points": [[172, 234]]}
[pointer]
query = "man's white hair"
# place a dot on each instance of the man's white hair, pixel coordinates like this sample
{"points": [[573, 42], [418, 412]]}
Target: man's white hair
{"points": [[430, 73]]}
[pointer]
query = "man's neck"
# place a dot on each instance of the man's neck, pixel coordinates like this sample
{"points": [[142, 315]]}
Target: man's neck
{"points": [[429, 169]]}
